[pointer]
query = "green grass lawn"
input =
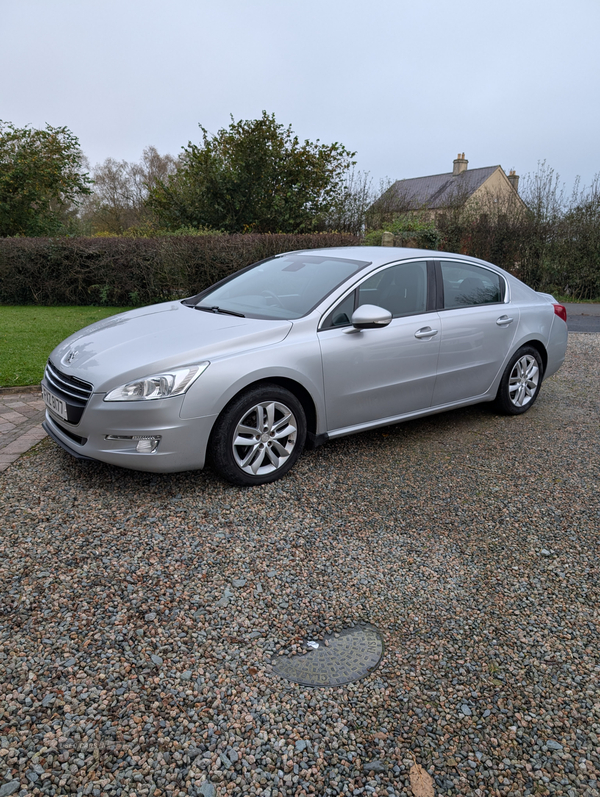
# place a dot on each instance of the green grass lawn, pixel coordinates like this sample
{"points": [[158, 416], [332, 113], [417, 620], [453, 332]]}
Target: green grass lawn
{"points": [[28, 335]]}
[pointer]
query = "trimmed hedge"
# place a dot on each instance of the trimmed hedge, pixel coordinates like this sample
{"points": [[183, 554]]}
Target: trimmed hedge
{"points": [[125, 271]]}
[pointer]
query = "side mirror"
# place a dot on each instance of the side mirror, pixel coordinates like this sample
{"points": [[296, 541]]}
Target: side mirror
{"points": [[369, 316]]}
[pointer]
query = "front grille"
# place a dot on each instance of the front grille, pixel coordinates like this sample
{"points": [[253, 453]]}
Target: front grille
{"points": [[72, 390]]}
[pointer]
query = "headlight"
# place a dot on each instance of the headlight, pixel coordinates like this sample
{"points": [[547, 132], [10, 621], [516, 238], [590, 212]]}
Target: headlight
{"points": [[158, 386]]}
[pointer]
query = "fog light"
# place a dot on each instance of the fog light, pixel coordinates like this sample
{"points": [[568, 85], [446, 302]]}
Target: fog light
{"points": [[146, 445]]}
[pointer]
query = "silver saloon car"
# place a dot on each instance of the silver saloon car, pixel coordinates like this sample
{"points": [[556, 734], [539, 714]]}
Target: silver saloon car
{"points": [[296, 350]]}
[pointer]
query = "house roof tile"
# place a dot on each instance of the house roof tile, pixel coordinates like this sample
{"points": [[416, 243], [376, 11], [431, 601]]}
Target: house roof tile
{"points": [[439, 190]]}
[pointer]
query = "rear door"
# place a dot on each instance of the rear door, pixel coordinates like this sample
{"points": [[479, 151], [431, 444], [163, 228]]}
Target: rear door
{"points": [[477, 328]]}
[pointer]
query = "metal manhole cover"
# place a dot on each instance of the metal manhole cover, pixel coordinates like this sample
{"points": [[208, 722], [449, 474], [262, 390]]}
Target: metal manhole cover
{"points": [[347, 657]]}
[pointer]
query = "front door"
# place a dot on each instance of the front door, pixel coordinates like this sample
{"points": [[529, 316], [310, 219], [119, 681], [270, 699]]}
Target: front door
{"points": [[375, 374]]}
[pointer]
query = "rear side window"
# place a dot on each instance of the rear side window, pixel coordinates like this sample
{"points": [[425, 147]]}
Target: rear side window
{"points": [[466, 285]]}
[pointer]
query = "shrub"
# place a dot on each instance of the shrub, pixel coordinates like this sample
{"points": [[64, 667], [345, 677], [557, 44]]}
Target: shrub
{"points": [[121, 271], [412, 230]]}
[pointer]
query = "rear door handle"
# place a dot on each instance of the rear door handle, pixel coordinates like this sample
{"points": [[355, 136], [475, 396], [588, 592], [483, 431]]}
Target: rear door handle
{"points": [[425, 332], [504, 321]]}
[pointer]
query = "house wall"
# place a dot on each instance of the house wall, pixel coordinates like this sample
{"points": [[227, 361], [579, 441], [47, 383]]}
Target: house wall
{"points": [[496, 194]]}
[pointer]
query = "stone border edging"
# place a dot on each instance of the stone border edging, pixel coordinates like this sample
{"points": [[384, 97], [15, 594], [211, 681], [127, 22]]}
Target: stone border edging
{"points": [[7, 391]]}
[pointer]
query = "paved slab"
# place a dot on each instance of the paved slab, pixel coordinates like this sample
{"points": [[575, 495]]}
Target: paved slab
{"points": [[21, 415]]}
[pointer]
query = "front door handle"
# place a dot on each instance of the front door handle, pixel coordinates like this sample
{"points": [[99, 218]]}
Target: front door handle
{"points": [[504, 321], [425, 332]]}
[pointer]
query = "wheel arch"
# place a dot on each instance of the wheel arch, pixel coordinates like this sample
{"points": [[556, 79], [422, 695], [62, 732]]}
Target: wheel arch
{"points": [[298, 390], [539, 347]]}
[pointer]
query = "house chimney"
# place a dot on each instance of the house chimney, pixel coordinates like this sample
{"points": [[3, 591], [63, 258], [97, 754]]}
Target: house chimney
{"points": [[460, 164], [513, 179]]}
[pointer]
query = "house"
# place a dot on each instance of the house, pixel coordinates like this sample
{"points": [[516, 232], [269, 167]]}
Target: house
{"points": [[482, 189]]}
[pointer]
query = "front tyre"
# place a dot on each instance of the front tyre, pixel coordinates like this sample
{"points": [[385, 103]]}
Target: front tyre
{"points": [[259, 436], [521, 382]]}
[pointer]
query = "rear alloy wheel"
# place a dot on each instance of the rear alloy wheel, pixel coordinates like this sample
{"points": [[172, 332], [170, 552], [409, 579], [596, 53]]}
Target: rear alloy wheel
{"points": [[259, 436], [520, 382]]}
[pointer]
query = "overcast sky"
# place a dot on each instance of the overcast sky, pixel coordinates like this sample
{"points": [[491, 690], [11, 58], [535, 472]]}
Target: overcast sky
{"points": [[407, 85]]}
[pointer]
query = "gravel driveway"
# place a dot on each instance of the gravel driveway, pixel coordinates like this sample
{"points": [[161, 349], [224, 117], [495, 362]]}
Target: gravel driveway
{"points": [[139, 614]]}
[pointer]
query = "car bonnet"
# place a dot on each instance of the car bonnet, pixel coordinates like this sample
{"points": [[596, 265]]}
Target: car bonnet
{"points": [[157, 338]]}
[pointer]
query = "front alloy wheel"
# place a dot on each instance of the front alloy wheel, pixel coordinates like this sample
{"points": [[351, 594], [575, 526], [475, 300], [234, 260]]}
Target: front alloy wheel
{"points": [[259, 436], [264, 438], [521, 382]]}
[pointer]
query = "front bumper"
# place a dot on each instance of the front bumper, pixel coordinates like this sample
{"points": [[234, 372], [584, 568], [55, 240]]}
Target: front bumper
{"points": [[183, 442]]}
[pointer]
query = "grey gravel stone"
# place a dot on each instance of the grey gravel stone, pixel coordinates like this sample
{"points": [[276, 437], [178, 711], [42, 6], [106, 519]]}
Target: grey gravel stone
{"points": [[225, 761], [552, 745], [374, 766], [10, 788], [466, 710], [156, 659], [208, 790], [239, 582]]}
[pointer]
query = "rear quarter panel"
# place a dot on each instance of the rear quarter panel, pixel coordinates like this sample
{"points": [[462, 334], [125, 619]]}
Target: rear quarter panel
{"points": [[539, 322]]}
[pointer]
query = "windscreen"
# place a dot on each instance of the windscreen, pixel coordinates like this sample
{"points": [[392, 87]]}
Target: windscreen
{"points": [[288, 286]]}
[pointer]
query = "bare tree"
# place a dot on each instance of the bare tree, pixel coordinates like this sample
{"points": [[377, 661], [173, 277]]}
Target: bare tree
{"points": [[118, 201], [544, 194], [355, 198]]}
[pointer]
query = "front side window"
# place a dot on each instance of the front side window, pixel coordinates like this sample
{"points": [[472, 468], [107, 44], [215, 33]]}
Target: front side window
{"points": [[466, 285], [400, 289]]}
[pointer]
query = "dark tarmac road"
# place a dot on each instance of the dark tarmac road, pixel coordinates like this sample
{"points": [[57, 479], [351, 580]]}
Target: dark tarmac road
{"points": [[583, 317]]}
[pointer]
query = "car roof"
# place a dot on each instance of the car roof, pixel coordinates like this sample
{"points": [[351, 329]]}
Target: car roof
{"points": [[381, 255]]}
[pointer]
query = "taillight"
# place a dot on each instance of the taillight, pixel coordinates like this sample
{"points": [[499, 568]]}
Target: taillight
{"points": [[561, 311]]}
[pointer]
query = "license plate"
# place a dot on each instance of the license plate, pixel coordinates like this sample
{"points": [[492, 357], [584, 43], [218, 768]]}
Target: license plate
{"points": [[55, 404]]}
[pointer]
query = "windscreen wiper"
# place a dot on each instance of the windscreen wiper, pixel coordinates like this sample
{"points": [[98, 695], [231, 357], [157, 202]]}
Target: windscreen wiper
{"points": [[219, 310]]}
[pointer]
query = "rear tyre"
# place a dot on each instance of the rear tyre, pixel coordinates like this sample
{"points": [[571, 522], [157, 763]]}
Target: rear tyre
{"points": [[259, 436], [521, 382]]}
